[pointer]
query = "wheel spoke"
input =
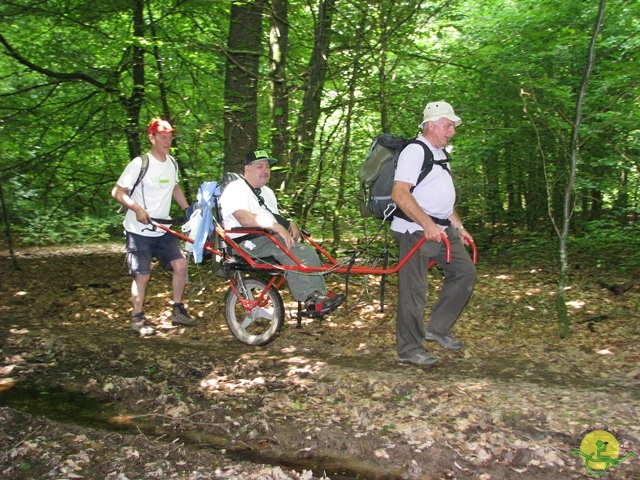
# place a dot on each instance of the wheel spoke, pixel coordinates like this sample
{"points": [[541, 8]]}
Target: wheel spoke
{"points": [[257, 313], [248, 320]]}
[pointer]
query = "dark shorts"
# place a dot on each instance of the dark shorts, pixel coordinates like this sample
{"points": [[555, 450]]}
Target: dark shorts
{"points": [[140, 250]]}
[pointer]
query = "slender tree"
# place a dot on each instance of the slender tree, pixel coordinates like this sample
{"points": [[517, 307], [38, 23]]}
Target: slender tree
{"points": [[7, 227], [564, 321], [310, 113]]}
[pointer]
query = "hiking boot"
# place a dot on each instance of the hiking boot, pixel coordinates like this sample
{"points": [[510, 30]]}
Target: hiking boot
{"points": [[421, 359], [139, 326], [446, 341], [323, 303], [179, 316]]}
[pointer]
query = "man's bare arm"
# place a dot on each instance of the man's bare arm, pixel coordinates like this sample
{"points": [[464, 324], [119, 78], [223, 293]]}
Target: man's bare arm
{"points": [[248, 219]]}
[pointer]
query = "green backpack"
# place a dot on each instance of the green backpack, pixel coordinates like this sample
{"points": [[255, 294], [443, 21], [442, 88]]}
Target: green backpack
{"points": [[377, 174]]}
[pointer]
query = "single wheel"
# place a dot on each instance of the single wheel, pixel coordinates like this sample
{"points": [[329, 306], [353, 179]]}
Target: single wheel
{"points": [[262, 324]]}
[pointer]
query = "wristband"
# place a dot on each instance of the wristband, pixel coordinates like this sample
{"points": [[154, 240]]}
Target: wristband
{"points": [[461, 227]]}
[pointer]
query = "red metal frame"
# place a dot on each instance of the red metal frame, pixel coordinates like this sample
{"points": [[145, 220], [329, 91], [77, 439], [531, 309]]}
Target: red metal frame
{"points": [[331, 264], [261, 301]]}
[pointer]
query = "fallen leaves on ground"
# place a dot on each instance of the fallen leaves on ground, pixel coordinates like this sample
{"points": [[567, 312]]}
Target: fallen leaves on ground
{"points": [[329, 397]]}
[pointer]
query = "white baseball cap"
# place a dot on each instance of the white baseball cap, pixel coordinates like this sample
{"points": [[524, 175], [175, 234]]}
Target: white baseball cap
{"points": [[434, 111]]}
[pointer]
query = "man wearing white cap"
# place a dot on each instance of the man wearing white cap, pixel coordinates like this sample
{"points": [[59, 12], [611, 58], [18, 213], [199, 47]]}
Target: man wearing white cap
{"points": [[427, 210]]}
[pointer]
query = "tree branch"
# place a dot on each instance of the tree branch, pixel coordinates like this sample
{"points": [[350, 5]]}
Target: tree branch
{"points": [[50, 73]]}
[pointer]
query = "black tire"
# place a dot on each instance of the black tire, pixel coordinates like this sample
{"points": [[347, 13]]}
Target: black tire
{"points": [[262, 325]]}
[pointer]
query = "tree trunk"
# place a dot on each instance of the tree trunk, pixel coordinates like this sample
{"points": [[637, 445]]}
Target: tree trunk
{"points": [[164, 99], [346, 151], [133, 103], [621, 205], [240, 90], [308, 119], [7, 223], [278, 43], [491, 170], [564, 321]]}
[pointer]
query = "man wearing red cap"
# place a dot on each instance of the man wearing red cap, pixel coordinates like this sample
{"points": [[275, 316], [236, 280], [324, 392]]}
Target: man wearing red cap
{"points": [[150, 198]]}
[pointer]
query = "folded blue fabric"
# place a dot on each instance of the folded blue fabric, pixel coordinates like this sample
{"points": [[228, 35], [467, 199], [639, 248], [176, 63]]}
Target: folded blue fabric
{"points": [[208, 193]]}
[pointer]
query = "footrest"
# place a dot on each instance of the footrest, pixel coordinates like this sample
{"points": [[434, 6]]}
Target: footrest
{"points": [[307, 314]]}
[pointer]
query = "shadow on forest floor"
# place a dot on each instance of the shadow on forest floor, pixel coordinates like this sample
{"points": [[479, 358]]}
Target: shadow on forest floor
{"points": [[84, 397]]}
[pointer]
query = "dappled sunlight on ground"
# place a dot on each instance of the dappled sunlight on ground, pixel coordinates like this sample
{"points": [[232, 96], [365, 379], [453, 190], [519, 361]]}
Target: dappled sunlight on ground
{"points": [[510, 405]]}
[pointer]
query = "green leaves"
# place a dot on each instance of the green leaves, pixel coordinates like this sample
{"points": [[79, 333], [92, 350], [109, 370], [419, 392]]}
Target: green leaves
{"points": [[74, 100]]}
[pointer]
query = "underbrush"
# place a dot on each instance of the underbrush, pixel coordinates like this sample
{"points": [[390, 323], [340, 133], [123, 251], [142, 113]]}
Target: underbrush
{"points": [[63, 230], [602, 244]]}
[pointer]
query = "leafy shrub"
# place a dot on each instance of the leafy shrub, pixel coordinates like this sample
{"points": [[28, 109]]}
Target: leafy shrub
{"points": [[60, 230]]}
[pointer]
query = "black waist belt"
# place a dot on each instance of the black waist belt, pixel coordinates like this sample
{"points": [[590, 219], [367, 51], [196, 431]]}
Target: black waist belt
{"points": [[248, 236], [163, 221], [438, 221], [445, 222]]}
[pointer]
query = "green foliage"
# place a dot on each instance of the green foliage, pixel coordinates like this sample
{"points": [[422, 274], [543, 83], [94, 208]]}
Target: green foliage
{"points": [[604, 244], [609, 244], [510, 68], [64, 230]]}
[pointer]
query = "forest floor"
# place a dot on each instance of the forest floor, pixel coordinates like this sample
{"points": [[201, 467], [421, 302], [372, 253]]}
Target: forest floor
{"points": [[81, 397]]}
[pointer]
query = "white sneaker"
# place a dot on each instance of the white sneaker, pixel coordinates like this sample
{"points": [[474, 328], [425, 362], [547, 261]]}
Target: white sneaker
{"points": [[139, 326]]}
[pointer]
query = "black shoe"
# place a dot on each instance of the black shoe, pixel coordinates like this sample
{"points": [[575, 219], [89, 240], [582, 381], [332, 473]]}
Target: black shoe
{"points": [[422, 359], [447, 341], [324, 303]]}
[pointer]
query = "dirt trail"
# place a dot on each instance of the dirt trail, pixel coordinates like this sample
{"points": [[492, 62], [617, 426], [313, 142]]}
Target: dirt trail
{"points": [[328, 398]]}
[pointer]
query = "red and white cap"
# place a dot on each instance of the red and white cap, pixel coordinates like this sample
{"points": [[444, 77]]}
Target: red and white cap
{"points": [[160, 126]]}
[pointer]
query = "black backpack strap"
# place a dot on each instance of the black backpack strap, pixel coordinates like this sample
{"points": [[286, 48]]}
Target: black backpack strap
{"points": [[429, 162], [256, 192], [279, 218], [143, 171], [427, 166], [444, 163]]}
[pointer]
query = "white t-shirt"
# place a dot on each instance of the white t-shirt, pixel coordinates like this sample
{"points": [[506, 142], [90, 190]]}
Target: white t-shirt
{"points": [[239, 196], [154, 193], [436, 194]]}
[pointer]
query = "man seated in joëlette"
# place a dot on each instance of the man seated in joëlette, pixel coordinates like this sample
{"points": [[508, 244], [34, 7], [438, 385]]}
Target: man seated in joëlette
{"points": [[249, 202]]}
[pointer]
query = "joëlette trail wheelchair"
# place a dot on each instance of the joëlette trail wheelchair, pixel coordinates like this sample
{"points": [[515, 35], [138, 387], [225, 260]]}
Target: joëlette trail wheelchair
{"points": [[254, 309]]}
